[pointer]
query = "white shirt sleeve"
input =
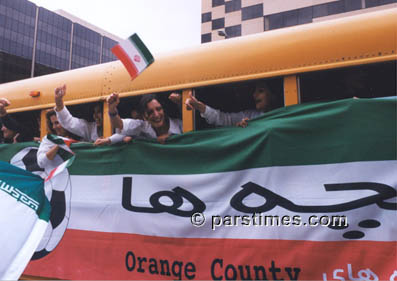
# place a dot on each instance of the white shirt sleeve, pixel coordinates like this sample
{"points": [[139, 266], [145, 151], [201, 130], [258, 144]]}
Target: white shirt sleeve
{"points": [[131, 127], [176, 126], [42, 160], [116, 138], [80, 127], [219, 118]]}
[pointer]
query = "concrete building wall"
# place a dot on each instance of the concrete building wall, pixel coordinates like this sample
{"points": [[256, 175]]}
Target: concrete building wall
{"points": [[232, 18]]}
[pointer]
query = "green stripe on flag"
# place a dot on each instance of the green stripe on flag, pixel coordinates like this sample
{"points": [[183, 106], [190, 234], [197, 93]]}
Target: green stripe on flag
{"points": [[140, 46], [27, 185], [55, 139], [62, 152], [308, 134]]}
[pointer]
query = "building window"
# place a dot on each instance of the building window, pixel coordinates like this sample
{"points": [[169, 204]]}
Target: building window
{"points": [[216, 3], [352, 5], [290, 18], [233, 31], [335, 8], [320, 11], [276, 21], [232, 6], [374, 3], [385, 2], [305, 15], [206, 17], [218, 23], [206, 38], [252, 12]]}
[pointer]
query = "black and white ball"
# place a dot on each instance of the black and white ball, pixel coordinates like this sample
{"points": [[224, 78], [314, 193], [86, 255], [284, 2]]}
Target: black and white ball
{"points": [[58, 192]]}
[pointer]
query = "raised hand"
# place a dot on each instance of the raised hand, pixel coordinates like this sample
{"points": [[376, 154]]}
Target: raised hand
{"points": [[176, 98], [60, 92], [113, 100], [3, 104], [193, 103]]}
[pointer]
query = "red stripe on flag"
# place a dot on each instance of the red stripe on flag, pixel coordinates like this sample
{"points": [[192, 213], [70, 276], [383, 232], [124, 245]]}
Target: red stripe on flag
{"points": [[126, 61], [98, 255], [68, 142], [51, 174]]}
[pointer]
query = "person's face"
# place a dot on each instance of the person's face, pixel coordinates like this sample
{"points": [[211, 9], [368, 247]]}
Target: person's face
{"points": [[7, 133], [98, 117], [135, 114], [154, 114], [261, 97], [59, 130]]}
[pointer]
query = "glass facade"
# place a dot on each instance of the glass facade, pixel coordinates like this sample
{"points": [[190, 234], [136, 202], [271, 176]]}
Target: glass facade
{"points": [[53, 40], [52, 43], [52, 47], [107, 45], [17, 20], [86, 48]]}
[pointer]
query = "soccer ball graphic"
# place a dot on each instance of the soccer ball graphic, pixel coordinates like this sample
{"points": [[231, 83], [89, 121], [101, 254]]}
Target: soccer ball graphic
{"points": [[58, 192]]}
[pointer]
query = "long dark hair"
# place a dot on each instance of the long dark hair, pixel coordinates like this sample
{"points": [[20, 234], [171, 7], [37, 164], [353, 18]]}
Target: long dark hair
{"points": [[143, 106], [52, 131]]}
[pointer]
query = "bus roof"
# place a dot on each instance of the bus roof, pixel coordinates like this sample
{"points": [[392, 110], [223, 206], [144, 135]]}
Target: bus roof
{"points": [[355, 40]]}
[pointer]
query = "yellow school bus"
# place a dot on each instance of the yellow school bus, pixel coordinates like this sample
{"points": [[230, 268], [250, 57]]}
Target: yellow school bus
{"points": [[301, 59], [292, 55]]}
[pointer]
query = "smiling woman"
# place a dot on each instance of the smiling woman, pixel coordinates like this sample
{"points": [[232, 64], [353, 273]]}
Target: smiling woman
{"points": [[157, 123]]}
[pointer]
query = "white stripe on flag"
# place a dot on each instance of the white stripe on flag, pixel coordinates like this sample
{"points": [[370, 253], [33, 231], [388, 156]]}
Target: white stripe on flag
{"points": [[133, 52], [60, 168]]}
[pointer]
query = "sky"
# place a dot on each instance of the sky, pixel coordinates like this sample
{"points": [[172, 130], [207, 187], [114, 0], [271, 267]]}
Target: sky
{"points": [[163, 25]]}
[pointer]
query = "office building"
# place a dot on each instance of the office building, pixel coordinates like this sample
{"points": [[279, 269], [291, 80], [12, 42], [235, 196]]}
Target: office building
{"points": [[35, 41], [222, 19]]}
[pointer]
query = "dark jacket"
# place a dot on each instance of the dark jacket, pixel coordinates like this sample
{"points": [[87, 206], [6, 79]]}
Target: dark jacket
{"points": [[25, 133]]}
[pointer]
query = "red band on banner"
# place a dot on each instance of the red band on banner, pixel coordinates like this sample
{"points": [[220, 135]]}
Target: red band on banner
{"points": [[98, 255]]}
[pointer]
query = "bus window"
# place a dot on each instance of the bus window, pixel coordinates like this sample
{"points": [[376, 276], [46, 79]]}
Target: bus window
{"points": [[27, 124], [235, 97], [91, 112], [129, 107], [366, 81]]}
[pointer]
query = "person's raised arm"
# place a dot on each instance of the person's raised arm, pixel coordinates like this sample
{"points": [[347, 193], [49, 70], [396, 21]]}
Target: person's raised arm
{"points": [[193, 103], [59, 94], [77, 126], [52, 152], [113, 100], [3, 104]]}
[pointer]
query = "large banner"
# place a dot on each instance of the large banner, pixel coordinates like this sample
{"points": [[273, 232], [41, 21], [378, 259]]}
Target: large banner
{"points": [[306, 192], [25, 212]]}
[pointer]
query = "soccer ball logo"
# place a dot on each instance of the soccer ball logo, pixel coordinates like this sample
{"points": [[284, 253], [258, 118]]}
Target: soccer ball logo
{"points": [[58, 192]]}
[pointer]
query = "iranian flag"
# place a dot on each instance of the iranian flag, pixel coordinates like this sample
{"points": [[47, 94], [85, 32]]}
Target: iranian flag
{"points": [[64, 152], [25, 212], [305, 192], [134, 55]]}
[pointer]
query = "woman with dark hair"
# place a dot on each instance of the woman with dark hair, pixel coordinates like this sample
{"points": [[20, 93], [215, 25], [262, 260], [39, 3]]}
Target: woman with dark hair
{"points": [[264, 99], [88, 131], [156, 123], [47, 149], [12, 130]]}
